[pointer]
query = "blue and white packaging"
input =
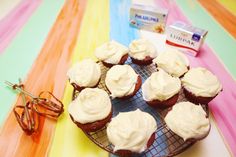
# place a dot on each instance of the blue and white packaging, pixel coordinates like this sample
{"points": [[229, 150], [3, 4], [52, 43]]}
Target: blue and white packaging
{"points": [[148, 18]]}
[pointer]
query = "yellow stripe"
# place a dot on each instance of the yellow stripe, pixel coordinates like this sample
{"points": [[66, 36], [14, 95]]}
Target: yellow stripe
{"points": [[69, 140], [94, 30], [229, 5]]}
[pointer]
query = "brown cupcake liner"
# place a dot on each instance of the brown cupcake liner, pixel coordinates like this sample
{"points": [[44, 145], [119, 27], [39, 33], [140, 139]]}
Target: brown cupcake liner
{"points": [[164, 104], [122, 61], [94, 126], [197, 99], [146, 61], [128, 153]]}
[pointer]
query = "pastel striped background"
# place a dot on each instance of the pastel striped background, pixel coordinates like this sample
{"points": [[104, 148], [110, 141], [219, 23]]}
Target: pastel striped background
{"points": [[39, 40]]}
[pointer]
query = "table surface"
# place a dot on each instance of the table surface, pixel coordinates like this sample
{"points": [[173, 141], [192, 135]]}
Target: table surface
{"points": [[40, 40]]}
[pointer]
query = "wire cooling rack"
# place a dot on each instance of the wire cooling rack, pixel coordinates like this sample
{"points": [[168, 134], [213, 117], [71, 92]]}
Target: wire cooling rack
{"points": [[166, 142]]}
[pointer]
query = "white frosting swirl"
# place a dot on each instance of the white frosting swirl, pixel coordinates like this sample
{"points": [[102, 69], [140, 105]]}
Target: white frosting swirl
{"points": [[111, 52], [92, 104], [85, 73], [121, 80], [173, 62], [160, 86], [201, 82], [141, 48], [131, 130], [188, 120]]}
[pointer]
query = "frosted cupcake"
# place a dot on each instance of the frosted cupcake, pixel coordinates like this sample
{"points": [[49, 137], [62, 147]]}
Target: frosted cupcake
{"points": [[84, 74], [131, 132], [161, 89], [173, 62], [200, 85], [188, 120], [112, 53], [142, 51], [91, 110], [122, 81]]}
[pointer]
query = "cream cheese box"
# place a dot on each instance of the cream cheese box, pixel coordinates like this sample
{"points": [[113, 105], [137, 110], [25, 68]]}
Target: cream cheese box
{"points": [[185, 37], [148, 18]]}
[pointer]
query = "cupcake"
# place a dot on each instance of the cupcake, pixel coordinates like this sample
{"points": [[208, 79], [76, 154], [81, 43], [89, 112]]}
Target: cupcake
{"points": [[91, 110], [173, 62], [131, 132], [188, 121], [142, 51], [200, 85], [112, 53], [122, 81], [161, 90], [84, 74]]}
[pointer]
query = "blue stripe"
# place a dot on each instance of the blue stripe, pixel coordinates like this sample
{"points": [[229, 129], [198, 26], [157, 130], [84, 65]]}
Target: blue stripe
{"points": [[120, 30]]}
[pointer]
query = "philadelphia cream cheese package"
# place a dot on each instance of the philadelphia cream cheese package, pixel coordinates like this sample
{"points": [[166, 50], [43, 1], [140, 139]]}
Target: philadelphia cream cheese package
{"points": [[185, 37], [148, 18]]}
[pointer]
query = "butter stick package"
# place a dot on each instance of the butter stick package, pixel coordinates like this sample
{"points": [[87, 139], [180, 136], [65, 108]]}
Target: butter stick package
{"points": [[185, 37], [148, 18]]}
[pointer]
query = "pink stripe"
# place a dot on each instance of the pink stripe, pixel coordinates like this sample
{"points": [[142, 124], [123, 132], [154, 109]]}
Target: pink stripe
{"points": [[12, 23], [223, 106]]}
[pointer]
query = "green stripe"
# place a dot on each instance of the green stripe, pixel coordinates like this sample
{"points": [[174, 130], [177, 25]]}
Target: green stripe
{"points": [[223, 44], [18, 58]]}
